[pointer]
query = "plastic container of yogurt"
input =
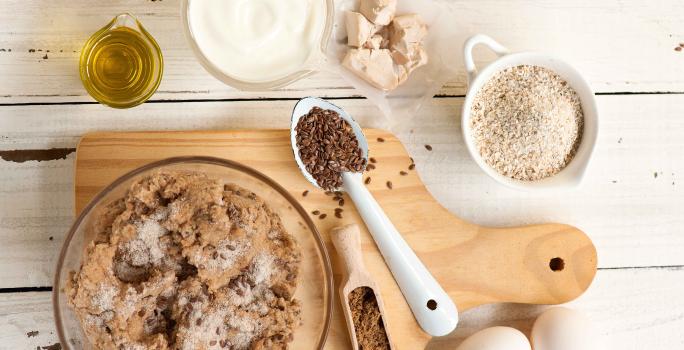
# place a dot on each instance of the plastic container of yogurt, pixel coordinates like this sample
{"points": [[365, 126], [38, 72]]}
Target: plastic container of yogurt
{"points": [[258, 44]]}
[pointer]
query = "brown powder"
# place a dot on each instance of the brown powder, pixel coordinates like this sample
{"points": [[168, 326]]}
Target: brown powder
{"points": [[368, 323]]}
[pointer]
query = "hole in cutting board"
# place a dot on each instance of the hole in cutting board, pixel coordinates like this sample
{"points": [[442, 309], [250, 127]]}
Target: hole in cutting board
{"points": [[431, 304], [557, 264]]}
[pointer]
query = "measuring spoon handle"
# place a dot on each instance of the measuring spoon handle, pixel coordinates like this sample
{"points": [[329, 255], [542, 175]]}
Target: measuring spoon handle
{"points": [[432, 307]]}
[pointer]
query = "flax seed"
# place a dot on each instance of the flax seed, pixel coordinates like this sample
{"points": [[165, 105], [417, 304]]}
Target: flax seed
{"points": [[328, 147]]}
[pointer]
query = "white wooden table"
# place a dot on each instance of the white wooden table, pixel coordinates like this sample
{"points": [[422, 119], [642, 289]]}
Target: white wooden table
{"points": [[632, 203]]}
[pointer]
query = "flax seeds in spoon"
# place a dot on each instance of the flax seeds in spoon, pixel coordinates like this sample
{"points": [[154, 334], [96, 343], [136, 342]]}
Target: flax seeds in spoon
{"points": [[328, 147], [527, 122]]}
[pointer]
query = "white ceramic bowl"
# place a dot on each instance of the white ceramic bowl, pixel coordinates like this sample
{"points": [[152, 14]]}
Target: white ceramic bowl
{"points": [[571, 176]]}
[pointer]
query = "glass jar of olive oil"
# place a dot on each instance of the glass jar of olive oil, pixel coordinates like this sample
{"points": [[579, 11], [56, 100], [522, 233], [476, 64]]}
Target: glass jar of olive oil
{"points": [[121, 65]]}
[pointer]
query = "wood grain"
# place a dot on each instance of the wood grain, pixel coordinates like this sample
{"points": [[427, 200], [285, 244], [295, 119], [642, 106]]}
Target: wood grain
{"points": [[475, 265], [632, 216], [633, 52], [634, 309], [347, 243]]}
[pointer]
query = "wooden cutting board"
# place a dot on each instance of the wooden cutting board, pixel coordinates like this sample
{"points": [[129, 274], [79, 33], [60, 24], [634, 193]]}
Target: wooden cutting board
{"points": [[476, 265]]}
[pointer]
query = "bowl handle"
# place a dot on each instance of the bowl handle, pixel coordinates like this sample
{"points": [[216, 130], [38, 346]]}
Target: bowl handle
{"points": [[468, 52]]}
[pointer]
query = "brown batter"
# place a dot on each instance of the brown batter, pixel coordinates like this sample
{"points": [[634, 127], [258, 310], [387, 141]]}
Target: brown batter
{"points": [[184, 261]]}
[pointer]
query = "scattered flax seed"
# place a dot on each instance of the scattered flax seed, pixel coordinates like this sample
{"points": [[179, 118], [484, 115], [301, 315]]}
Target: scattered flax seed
{"points": [[527, 122], [403, 173], [338, 215], [329, 193], [322, 216], [373, 160], [339, 210], [368, 180], [341, 203], [316, 212], [380, 139], [412, 166], [678, 48], [370, 167], [428, 147], [305, 193], [389, 184]]}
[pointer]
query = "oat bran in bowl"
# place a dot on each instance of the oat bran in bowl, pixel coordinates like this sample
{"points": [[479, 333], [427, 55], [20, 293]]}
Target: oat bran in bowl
{"points": [[529, 120]]}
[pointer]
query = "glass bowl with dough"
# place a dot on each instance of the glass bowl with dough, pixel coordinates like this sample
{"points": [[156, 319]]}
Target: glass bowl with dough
{"points": [[193, 253]]}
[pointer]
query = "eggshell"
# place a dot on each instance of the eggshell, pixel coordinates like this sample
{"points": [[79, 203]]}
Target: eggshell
{"points": [[561, 328], [496, 338]]}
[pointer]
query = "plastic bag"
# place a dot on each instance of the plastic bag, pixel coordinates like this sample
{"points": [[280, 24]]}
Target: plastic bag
{"points": [[442, 43]]}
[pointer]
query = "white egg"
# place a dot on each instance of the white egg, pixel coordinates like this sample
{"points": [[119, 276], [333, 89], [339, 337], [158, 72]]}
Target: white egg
{"points": [[560, 328], [496, 338]]}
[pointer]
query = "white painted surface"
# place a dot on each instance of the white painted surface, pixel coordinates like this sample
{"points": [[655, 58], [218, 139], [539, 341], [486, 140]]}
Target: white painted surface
{"points": [[633, 215], [619, 45], [635, 309]]}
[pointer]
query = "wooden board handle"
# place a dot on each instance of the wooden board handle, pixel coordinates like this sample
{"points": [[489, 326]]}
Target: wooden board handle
{"points": [[347, 242], [540, 264]]}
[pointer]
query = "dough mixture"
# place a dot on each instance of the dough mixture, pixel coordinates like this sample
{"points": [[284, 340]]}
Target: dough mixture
{"points": [[184, 261]]}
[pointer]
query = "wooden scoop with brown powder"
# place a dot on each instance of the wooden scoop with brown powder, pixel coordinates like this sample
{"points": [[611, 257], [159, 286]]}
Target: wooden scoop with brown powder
{"points": [[359, 294]]}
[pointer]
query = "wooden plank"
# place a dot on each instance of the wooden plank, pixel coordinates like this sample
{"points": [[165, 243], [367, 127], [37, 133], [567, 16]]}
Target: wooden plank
{"points": [[634, 309], [635, 221], [22, 314], [633, 33]]}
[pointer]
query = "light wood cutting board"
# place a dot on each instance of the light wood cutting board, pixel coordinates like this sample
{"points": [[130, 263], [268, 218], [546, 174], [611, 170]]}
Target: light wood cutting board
{"points": [[476, 265]]}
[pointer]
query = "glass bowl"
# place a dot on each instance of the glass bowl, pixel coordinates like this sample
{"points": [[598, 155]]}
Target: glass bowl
{"points": [[315, 289], [311, 66]]}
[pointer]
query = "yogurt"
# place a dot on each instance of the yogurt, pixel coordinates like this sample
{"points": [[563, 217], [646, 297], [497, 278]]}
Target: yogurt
{"points": [[257, 40]]}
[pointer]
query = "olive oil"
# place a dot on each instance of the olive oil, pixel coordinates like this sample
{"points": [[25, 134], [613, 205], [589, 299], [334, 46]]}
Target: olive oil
{"points": [[121, 65]]}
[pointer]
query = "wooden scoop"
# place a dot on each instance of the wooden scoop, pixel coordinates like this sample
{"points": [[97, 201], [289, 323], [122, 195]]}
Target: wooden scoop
{"points": [[347, 242]]}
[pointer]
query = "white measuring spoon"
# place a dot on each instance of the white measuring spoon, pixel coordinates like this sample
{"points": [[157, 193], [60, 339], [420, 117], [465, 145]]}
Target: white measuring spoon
{"points": [[431, 306]]}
